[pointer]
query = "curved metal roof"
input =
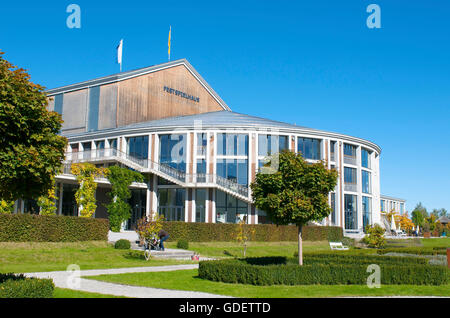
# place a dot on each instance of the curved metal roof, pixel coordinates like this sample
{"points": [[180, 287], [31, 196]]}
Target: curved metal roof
{"points": [[219, 120]]}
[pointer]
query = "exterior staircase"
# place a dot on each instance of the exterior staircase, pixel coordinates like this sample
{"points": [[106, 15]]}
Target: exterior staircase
{"points": [[176, 176]]}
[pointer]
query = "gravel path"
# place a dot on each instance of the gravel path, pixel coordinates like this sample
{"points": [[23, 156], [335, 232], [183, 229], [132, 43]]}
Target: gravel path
{"points": [[64, 279]]}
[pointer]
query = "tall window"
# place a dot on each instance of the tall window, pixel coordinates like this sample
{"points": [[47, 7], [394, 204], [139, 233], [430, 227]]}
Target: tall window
{"points": [[351, 212], [138, 147], [402, 208], [366, 182], [232, 144], [367, 211], [383, 206], [201, 144], [350, 182], [309, 148], [200, 205], [271, 144], [172, 150], [332, 150], [365, 158], [229, 209], [333, 208]]}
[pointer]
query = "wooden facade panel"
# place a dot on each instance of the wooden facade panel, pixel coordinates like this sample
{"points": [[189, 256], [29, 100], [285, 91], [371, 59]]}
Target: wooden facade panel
{"points": [[74, 111], [107, 106], [143, 98]]}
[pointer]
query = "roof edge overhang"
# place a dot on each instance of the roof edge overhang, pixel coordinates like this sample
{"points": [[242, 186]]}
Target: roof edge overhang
{"points": [[391, 198], [301, 130], [139, 72]]}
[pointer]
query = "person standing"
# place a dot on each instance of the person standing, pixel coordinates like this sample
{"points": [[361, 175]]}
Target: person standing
{"points": [[163, 235]]}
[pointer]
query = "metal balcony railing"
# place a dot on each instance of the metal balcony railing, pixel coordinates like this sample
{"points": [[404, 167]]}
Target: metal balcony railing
{"points": [[164, 170]]}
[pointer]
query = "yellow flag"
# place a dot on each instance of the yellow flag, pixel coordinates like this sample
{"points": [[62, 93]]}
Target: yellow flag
{"points": [[170, 30]]}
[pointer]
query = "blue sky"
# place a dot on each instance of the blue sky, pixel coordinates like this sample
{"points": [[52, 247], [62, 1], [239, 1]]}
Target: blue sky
{"points": [[313, 63]]}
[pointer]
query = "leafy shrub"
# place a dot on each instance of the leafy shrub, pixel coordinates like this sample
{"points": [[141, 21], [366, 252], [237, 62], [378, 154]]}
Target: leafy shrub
{"points": [[226, 232], [18, 286], [252, 272], [132, 254], [122, 244], [374, 237], [183, 244], [48, 228]]}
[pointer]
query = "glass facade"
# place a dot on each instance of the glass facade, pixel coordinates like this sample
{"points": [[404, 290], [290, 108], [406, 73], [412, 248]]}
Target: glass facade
{"points": [[366, 182], [171, 203], [229, 209], [351, 211], [172, 150], [232, 144], [367, 211], [309, 148], [138, 147], [271, 144]]}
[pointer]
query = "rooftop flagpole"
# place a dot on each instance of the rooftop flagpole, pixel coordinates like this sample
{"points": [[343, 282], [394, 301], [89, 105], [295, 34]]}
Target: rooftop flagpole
{"points": [[119, 54], [170, 31]]}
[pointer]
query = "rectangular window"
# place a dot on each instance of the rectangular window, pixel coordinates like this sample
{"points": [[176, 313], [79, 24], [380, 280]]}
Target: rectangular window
{"points": [[309, 148], [229, 209], [366, 182], [332, 150], [232, 144], [351, 212], [383, 206], [402, 208], [235, 170], [137, 147], [171, 203], [350, 182], [201, 144], [172, 150], [365, 158], [271, 144], [200, 205], [350, 154], [333, 208], [367, 211]]}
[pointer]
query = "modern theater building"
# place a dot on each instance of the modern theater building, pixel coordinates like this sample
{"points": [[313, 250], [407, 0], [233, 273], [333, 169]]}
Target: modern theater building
{"points": [[198, 155]]}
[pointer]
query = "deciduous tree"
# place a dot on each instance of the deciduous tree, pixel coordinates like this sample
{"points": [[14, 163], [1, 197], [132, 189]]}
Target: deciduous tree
{"points": [[31, 151], [296, 193]]}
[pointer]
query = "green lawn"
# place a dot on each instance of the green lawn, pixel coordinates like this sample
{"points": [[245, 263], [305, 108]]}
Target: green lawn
{"points": [[69, 293], [436, 242], [189, 280], [254, 249], [40, 257]]}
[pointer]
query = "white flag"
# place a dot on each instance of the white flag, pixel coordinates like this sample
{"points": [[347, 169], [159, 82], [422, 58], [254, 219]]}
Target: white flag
{"points": [[119, 54]]}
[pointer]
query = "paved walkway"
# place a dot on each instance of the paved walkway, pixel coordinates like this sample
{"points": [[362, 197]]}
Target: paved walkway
{"points": [[63, 279]]}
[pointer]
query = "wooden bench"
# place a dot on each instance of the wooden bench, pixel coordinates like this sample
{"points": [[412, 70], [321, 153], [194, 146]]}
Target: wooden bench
{"points": [[338, 246]]}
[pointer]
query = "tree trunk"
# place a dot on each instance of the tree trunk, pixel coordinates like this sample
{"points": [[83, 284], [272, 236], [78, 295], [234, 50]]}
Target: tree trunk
{"points": [[300, 246]]}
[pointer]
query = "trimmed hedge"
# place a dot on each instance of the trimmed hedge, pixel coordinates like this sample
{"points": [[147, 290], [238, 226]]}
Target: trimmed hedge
{"points": [[122, 244], [224, 232], [238, 271], [18, 286], [42, 228], [415, 250]]}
